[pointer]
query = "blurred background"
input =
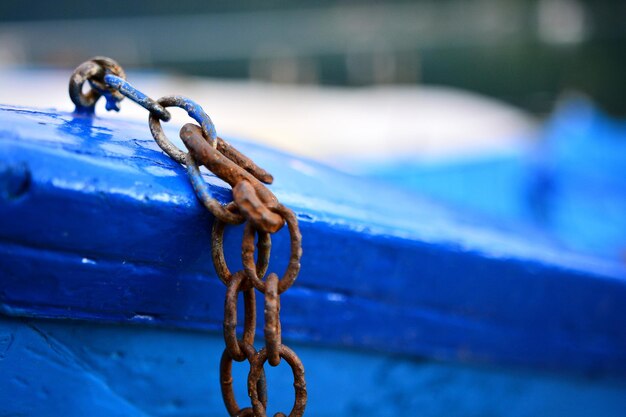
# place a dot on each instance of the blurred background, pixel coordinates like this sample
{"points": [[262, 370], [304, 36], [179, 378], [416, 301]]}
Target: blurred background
{"points": [[525, 52], [507, 108]]}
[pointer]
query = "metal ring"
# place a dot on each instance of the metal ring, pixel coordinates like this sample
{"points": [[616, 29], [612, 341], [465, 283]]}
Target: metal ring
{"points": [[264, 246], [272, 320], [195, 112], [247, 252], [94, 71], [226, 381], [299, 384], [127, 90], [238, 284], [202, 192]]}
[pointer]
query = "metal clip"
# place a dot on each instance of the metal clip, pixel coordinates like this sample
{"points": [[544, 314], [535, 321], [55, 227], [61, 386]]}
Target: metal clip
{"points": [[254, 200]]}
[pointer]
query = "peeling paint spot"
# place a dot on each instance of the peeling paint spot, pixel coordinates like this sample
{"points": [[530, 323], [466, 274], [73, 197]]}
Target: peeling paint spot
{"points": [[142, 318], [164, 197], [336, 297], [160, 171]]}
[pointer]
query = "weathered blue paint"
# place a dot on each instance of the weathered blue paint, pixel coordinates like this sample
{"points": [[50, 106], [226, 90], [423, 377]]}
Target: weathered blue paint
{"points": [[96, 223], [73, 369], [124, 87]]}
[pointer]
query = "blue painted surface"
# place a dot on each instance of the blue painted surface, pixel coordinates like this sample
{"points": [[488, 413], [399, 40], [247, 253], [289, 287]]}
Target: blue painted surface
{"points": [[72, 369], [98, 224]]}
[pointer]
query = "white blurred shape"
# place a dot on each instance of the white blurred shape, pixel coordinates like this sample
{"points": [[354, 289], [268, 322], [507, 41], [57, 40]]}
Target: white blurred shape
{"points": [[335, 125]]}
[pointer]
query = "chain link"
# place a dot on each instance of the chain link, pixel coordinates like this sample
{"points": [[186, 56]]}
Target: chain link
{"points": [[253, 204], [94, 71]]}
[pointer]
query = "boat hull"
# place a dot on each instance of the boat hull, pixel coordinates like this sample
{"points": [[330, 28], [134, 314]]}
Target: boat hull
{"points": [[75, 369], [109, 304]]}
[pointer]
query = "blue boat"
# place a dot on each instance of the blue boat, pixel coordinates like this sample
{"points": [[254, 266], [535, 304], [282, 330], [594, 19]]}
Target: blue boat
{"points": [[505, 296]]}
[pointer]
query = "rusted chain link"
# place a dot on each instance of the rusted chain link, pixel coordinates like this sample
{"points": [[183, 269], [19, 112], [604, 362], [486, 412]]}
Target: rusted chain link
{"points": [[226, 381], [195, 112], [299, 384], [264, 245], [237, 284], [272, 320], [293, 267], [252, 198], [253, 204]]}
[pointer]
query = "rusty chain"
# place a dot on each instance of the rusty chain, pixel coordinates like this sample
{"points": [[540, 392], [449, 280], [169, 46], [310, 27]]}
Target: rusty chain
{"points": [[253, 204]]}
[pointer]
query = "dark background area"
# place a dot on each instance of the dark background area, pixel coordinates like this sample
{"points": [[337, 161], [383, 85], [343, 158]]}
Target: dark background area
{"points": [[526, 52]]}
